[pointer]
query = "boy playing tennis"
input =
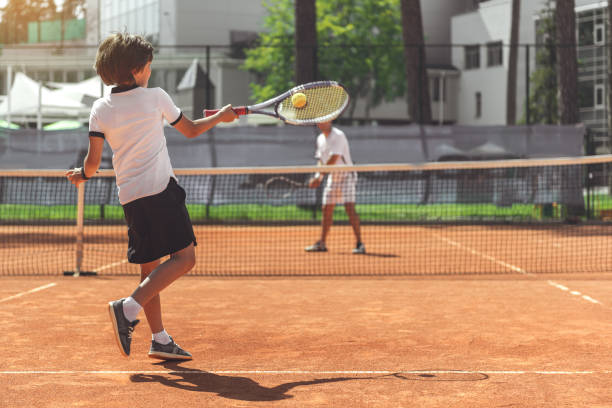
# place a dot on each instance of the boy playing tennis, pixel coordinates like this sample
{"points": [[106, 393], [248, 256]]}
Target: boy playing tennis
{"points": [[333, 148], [131, 120]]}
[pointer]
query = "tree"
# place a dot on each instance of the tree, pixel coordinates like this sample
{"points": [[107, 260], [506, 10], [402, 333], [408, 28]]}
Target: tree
{"points": [[305, 41], [543, 106], [415, 61], [358, 44], [512, 64], [73, 9], [567, 72], [567, 79], [608, 45], [18, 13]]}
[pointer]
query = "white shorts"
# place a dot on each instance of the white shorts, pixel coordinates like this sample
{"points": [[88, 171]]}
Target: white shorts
{"points": [[340, 188]]}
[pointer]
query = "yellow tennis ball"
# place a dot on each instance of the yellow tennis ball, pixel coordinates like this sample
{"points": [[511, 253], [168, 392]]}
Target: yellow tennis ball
{"points": [[298, 100]]}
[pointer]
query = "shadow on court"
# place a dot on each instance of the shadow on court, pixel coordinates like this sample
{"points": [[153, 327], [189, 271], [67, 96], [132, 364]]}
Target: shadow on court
{"points": [[379, 255], [246, 389]]}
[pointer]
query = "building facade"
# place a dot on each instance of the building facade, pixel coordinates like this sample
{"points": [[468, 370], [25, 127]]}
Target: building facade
{"points": [[481, 53], [592, 38], [481, 37], [466, 47]]}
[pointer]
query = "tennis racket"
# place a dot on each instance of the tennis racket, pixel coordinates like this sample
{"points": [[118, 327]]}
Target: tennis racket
{"points": [[282, 187], [325, 101]]}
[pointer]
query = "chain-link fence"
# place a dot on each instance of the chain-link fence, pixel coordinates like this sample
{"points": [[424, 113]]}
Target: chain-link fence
{"points": [[467, 83]]}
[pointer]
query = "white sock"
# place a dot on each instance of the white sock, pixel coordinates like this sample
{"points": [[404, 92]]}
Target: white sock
{"points": [[162, 337], [131, 308]]}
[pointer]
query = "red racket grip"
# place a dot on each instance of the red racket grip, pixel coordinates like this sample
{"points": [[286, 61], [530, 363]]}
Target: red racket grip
{"points": [[239, 110]]}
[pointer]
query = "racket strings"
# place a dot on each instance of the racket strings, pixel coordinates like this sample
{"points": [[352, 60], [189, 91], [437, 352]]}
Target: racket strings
{"points": [[281, 187], [323, 103]]}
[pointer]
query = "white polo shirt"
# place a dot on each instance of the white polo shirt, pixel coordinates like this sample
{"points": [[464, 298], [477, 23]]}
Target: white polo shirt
{"points": [[132, 122], [335, 143]]}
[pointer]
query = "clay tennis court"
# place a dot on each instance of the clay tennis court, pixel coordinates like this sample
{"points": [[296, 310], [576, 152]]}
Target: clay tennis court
{"points": [[354, 342], [502, 337], [279, 250]]}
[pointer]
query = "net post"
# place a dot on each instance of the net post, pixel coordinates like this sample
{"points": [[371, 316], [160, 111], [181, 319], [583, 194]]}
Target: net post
{"points": [[79, 229], [79, 236]]}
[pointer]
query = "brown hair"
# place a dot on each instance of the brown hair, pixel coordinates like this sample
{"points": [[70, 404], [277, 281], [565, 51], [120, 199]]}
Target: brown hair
{"points": [[119, 55]]}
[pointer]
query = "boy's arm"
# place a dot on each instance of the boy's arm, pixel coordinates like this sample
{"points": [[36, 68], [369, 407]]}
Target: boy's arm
{"points": [[316, 180], [91, 163], [192, 128]]}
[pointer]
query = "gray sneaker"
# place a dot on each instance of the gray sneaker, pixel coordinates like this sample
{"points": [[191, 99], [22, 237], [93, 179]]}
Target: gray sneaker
{"points": [[359, 249], [170, 351], [316, 247], [122, 327]]}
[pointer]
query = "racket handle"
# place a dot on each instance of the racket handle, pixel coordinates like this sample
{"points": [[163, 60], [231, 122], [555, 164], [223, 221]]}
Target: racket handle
{"points": [[239, 110]]}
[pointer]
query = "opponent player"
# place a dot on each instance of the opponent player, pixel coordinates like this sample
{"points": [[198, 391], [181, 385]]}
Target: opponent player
{"points": [[333, 148], [131, 120]]}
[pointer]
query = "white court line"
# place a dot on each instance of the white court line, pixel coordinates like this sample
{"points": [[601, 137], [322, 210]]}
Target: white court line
{"points": [[574, 292], [514, 268], [110, 265], [28, 292], [483, 255], [307, 372]]}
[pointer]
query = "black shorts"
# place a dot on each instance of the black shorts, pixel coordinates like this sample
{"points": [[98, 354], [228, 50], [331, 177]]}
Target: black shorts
{"points": [[158, 225]]}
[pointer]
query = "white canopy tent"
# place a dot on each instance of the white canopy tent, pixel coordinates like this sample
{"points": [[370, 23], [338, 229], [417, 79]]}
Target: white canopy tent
{"points": [[28, 100], [92, 88]]}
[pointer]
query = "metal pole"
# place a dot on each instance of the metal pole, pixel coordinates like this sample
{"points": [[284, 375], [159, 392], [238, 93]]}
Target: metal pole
{"points": [[9, 83], [420, 86], [442, 99], [208, 84], [211, 136], [527, 108], [39, 110]]}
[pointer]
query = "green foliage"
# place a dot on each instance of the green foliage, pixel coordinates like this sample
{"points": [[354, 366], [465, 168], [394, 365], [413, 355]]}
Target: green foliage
{"points": [[543, 80], [264, 212], [17, 14], [359, 45]]}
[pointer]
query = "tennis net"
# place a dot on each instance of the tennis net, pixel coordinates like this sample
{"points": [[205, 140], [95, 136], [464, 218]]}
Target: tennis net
{"points": [[482, 217]]}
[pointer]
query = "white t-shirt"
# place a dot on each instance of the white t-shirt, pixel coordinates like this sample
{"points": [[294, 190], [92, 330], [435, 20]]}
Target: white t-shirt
{"points": [[132, 122], [335, 143]]}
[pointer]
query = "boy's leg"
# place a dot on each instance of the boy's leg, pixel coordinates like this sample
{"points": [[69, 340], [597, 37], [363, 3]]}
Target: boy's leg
{"points": [[354, 220], [152, 309], [162, 345], [326, 222], [163, 275]]}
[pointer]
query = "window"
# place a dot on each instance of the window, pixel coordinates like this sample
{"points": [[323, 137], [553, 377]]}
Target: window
{"points": [[438, 90], [180, 73], [585, 33], [241, 41], [599, 34], [435, 91], [494, 54], [599, 96], [478, 104], [586, 94], [472, 56], [156, 79]]}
